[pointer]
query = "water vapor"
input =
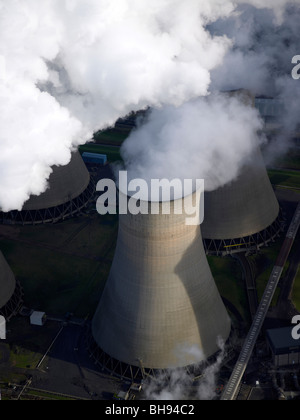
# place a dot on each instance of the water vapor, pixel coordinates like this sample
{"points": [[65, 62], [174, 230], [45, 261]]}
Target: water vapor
{"points": [[208, 138], [69, 68], [181, 386]]}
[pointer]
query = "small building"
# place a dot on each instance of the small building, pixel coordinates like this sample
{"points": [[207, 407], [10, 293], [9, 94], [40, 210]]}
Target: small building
{"points": [[94, 158], [38, 318], [284, 348]]}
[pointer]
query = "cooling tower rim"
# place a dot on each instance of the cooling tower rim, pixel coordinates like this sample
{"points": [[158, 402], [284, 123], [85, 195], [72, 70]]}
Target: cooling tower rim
{"points": [[161, 201]]}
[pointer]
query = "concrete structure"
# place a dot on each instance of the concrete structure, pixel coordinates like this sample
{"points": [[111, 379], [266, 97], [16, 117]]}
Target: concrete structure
{"points": [[94, 158], [10, 291], [243, 214], [232, 387], [160, 307], [285, 350], [38, 318], [69, 190]]}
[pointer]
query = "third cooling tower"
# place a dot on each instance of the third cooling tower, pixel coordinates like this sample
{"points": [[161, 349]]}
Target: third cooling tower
{"points": [[243, 214], [69, 190], [160, 307]]}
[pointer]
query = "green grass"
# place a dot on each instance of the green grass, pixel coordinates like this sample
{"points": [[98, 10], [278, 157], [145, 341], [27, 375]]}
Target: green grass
{"points": [[284, 178], [228, 277], [290, 161], [296, 291], [63, 268], [111, 136], [24, 359]]}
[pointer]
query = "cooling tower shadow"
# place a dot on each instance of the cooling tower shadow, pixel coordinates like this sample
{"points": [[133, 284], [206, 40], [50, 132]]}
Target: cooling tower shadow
{"points": [[210, 314]]}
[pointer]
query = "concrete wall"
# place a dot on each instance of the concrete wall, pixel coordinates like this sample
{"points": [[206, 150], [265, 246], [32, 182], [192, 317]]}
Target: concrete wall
{"points": [[65, 184], [160, 304], [242, 208]]}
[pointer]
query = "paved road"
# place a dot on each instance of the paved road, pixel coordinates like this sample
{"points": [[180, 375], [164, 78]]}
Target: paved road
{"points": [[232, 387]]}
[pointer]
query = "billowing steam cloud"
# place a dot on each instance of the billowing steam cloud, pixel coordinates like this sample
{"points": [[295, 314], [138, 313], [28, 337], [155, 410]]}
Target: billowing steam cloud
{"points": [[264, 45], [72, 67], [180, 385], [182, 142]]}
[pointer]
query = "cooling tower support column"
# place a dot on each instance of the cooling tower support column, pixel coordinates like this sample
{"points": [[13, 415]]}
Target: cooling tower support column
{"points": [[160, 308]]}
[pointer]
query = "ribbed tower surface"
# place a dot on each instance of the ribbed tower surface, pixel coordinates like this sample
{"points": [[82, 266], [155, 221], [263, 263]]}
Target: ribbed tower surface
{"points": [[244, 207], [65, 183], [160, 307]]}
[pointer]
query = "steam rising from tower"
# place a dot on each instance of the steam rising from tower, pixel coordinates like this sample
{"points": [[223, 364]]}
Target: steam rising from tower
{"points": [[244, 213], [70, 68]]}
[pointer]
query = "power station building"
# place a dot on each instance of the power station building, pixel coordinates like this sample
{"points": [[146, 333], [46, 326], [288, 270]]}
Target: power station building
{"points": [[160, 308], [284, 349], [10, 291], [70, 189]]}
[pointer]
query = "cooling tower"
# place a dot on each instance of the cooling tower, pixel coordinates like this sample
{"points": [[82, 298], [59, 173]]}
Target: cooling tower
{"points": [[243, 214], [69, 191], [10, 291], [160, 307]]}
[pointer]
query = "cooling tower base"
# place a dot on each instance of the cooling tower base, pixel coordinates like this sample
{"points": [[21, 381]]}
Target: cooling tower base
{"points": [[140, 373], [14, 305], [49, 215], [252, 243]]}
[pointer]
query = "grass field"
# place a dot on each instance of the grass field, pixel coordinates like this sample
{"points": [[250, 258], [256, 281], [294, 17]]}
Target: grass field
{"points": [[285, 178], [228, 277], [111, 136], [64, 267], [290, 161], [24, 348], [264, 262], [296, 291]]}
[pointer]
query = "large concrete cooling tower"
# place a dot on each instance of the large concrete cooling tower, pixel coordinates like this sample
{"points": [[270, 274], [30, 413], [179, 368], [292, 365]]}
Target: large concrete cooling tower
{"points": [[10, 291], [68, 192], [160, 307], [244, 214]]}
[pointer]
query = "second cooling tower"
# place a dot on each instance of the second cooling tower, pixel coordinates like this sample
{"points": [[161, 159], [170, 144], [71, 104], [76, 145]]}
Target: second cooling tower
{"points": [[243, 214], [160, 307]]}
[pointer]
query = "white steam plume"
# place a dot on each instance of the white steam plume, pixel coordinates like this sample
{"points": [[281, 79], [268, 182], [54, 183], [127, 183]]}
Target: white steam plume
{"points": [[71, 67], [208, 138], [180, 385], [261, 59]]}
